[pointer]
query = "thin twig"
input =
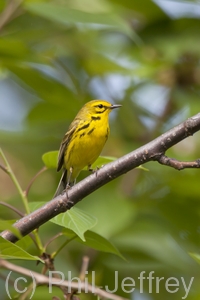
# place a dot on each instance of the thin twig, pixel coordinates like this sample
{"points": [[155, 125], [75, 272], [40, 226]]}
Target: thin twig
{"points": [[33, 179], [28, 290], [9, 12], [50, 281], [15, 181], [21, 215], [4, 169], [37, 240], [10, 280], [178, 165], [52, 239], [49, 265], [54, 254], [84, 267], [12, 208]]}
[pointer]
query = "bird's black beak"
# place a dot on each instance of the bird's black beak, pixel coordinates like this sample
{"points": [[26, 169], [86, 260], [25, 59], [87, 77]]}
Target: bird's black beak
{"points": [[115, 106]]}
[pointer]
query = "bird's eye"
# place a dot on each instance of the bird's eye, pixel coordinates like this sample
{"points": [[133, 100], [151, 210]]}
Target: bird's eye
{"points": [[100, 105]]}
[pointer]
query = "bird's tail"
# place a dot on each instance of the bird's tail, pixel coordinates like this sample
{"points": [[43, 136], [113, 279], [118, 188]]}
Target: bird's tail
{"points": [[62, 184]]}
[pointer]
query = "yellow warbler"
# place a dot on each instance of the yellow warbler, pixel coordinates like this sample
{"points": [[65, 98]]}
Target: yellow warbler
{"points": [[84, 141]]}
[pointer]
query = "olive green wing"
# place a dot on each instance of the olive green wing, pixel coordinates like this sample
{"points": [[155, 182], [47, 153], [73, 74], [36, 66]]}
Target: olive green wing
{"points": [[65, 142], [62, 184], [63, 147]]}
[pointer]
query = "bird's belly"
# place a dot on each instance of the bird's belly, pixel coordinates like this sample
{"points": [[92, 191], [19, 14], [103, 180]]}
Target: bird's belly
{"points": [[85, 151]]}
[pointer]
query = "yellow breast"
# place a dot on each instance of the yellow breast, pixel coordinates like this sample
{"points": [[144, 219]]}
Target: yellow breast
{"points": [[86, 145]]}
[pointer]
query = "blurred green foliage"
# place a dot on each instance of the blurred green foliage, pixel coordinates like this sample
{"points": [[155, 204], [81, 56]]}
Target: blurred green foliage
{"points": [[55, 56]]}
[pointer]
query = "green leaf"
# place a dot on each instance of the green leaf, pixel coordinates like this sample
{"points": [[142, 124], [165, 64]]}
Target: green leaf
{"points": [[50, 159], [7, 225], [95, 241], [101, 161], [143, 168], [35, 205], [25, 242], [77, 220], [9, 250], [44, 83], [64, 15]]}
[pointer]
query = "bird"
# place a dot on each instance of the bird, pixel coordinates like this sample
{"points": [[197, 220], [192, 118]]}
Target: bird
{"points": [[83, 141]]}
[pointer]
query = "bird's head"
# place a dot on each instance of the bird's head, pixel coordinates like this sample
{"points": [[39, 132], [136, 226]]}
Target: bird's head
{"points": [[99, 107]]}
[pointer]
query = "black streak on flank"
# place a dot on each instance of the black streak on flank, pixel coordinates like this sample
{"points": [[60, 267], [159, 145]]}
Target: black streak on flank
{"points": [[82, 134], [107, 134], [83, 127], [89, 132], [96, 118]]}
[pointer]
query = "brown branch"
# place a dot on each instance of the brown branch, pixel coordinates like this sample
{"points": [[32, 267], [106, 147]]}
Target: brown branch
{"points": [[152, 151], [44, 280], [178, 165]]}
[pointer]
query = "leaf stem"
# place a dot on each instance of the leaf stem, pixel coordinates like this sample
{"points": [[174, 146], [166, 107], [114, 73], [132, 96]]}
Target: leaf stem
{"points": [[16, 183], [23, 196], [53, 255]]}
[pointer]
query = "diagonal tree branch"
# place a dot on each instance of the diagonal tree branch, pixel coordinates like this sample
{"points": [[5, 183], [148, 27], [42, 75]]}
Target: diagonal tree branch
{"points": [[153, 151], [41, 279]]}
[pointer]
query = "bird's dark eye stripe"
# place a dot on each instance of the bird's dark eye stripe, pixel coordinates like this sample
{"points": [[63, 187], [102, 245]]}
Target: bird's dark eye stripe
{"points": [[100, 111], [99, 106]]}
